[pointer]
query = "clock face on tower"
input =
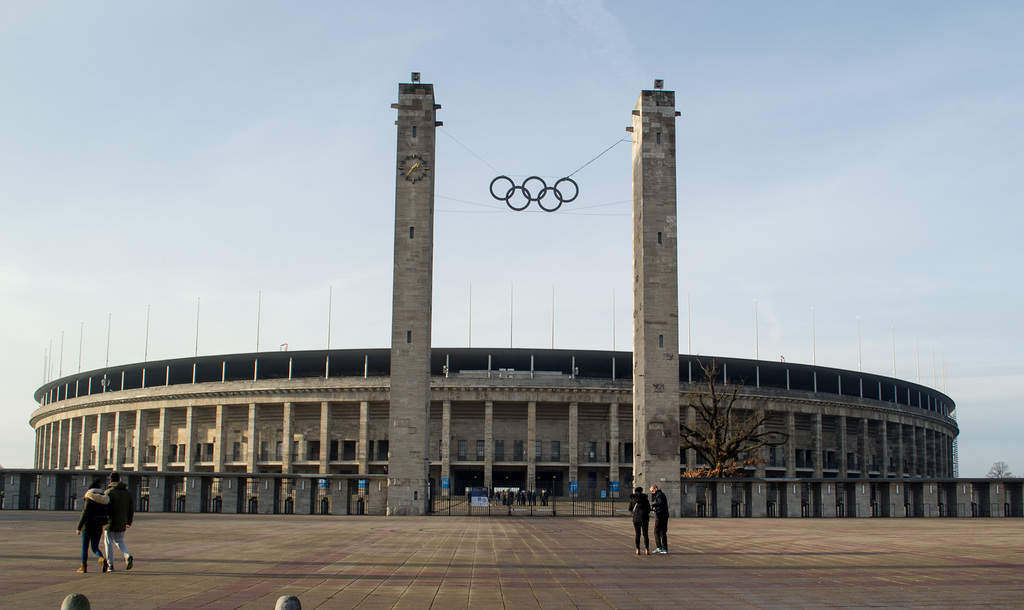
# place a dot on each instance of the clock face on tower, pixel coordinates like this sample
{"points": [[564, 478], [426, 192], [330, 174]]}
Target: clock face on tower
{"points": [[413, 168]]}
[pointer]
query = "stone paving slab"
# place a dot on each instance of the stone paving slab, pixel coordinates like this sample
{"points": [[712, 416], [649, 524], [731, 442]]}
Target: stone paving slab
{"points": [[249, 561]]}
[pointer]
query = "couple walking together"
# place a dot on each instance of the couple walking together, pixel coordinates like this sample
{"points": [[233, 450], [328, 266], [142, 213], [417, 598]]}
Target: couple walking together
{"points": [[641, 508], [106, 515]]}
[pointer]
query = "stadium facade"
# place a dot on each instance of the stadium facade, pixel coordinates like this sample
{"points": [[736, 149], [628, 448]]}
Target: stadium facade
{"points": [[421, 422]]}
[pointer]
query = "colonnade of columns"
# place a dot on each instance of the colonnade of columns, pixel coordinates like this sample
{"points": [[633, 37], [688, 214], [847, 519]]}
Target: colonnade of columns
{"points": [[123, 440], [818, 446]]}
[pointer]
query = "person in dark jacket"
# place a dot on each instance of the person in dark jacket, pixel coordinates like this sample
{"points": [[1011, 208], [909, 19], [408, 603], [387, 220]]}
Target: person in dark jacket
{"points": [[641, 509], [121, 512], [659, 505], [90, 525]]}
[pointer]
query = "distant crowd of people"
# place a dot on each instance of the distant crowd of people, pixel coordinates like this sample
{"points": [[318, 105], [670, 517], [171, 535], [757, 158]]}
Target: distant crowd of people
{"points": [[518, 497]]}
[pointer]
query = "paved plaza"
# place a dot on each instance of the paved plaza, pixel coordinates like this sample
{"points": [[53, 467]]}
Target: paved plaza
{"points": [[249, 561]]}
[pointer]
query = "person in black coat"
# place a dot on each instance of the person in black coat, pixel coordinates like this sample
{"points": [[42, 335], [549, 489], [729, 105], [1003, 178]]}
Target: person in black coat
{"points": [[659, 505], [90, 525], [641, 509]]}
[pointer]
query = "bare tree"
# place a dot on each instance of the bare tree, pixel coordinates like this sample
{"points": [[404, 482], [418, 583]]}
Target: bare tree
{"points": [[724, 436], [999, 470]]}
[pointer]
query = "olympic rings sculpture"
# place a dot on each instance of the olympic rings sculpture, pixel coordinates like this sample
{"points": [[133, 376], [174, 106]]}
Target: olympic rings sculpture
{"points": [[534, 189]]}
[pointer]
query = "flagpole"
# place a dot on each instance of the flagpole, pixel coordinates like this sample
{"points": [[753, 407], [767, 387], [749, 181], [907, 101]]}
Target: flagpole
{"points": [[814, 348], [199, 301], [689, 345], [110, 316], [511, 309], [81, 333], [755, 331], [259, 314], [893, 329]]}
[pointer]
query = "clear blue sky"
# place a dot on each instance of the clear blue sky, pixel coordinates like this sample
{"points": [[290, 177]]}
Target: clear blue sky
{"points": [[862, 159]]}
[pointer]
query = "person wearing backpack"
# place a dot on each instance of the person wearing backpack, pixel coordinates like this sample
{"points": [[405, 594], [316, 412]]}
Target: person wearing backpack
{"points": [[641, 509], [90, 525]]}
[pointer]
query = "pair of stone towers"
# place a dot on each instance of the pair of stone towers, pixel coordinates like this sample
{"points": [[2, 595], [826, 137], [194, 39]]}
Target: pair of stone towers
{"points": [[655, 297]]}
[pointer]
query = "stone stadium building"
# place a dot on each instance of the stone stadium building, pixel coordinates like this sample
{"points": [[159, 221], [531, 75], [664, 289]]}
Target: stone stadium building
{"points": [[395, 430], [501, 418]]}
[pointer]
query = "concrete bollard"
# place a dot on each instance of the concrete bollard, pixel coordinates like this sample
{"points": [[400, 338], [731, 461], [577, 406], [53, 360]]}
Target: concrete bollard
{"points": [[288, 602], [75, 601]]}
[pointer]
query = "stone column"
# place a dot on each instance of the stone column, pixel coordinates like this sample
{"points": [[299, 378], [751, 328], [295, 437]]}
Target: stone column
{"points": [[915, 451], [884, 434], [190, 439], [843, 449], [932, 453], [141, 439], [446, 445], [120, 439], [161, 437], [44, 447], [655, 294], [220, 440], [791, 445], [723, 500], [253, 448], [613, 444], [193, 490], [54, 441], [85, 446], [862, 496], [488, 444], [61, 446], [265, 495], [940, 454], [901, 449], [574, 443], [287, 438], [896, 498], [862, 443], [762, 453], [794, 498], [364, 437], [818, 446], [409, 422], [325, 436], [37, 459], [102, 420], [964, 498], [947, 455], [758, 500], [828, 498], [75, 448]]}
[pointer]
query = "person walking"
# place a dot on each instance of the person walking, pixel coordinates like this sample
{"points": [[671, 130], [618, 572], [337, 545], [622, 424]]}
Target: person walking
{"points": [[90, 525], [121, 512], [659, 504], [641, 509]]}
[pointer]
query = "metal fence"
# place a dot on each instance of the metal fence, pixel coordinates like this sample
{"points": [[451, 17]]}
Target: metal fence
{"points": [[573, 505]]}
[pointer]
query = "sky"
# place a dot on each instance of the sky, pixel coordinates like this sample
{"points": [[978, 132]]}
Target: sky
{"points": [[218, 177]]}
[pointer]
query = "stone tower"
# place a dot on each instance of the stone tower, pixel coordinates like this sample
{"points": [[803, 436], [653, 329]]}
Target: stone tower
{"points": [[655, 295], [408, 428]]}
